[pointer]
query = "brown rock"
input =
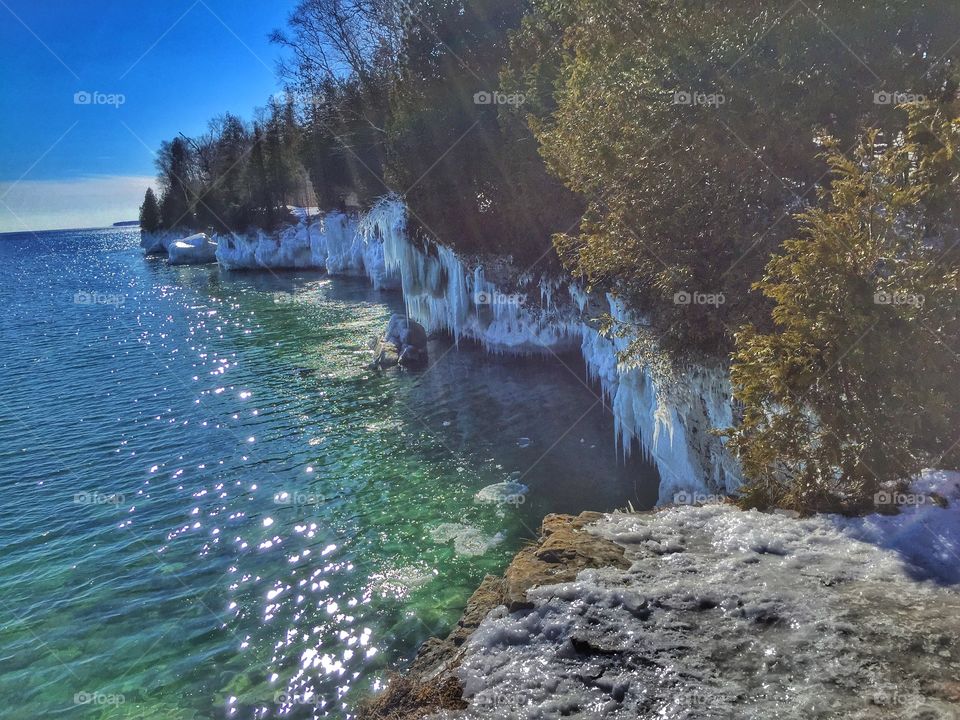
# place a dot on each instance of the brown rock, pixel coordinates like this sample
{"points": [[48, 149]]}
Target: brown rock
{"points": [[565, 549]]}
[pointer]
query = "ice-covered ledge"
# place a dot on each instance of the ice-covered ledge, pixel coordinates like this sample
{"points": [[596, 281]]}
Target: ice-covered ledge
{"points": [[669, 414], [708, 612], [330, 243]]}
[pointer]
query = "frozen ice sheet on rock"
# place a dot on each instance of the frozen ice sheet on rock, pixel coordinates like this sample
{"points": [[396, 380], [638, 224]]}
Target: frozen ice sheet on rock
{"points": [[724, 614]]}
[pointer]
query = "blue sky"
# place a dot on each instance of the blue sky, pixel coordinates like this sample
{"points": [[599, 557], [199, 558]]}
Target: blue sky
{"points": [[176, 64]]}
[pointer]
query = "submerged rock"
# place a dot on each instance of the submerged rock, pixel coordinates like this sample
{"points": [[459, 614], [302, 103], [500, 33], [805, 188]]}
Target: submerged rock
{"points": [[404, 343], [503, 493], [387, 355]]}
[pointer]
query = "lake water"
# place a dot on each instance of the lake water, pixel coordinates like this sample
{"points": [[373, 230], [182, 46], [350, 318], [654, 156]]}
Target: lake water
{"points": [[212, 508]]}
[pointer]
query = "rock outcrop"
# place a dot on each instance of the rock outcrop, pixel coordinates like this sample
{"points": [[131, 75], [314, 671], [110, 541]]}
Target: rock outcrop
{"points": [[431, 683], [404, 344]]}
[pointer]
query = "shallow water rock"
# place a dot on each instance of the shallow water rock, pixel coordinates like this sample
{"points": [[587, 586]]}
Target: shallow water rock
{"points": [[503, 493], [404, 343]]}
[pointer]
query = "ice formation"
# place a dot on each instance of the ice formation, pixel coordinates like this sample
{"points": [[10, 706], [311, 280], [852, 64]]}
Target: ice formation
{"points": [[195, 249], [156, 243], [331, 243], [669, 417], [671, 424], [726, 613]]}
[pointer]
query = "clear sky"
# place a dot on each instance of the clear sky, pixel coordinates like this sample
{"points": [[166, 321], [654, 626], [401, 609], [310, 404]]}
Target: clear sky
{"points": [[73, 152]]}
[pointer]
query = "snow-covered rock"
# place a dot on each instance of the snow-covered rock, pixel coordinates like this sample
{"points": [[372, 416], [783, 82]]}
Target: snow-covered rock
{"points": [[195, 249], [156, 243], [731, 614]]}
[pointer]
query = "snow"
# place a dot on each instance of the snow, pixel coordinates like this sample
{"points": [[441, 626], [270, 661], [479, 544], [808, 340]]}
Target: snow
{"points": [[726, 613], [927, 536], [195, 249]]}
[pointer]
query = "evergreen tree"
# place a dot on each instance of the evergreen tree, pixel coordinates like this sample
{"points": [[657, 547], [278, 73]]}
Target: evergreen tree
{"points": [[856, 385], [261, 195], [178, 173], [149, 212], [690, 130]]}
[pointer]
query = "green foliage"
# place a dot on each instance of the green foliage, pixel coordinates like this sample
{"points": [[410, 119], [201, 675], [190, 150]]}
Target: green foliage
{"points": [[857, 383], [459, 150], [150, 212], [691, 193], [175, 163], [232, 177]]}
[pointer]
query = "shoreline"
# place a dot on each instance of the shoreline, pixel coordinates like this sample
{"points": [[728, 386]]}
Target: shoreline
{"points": [[554, 567], [627, 615], [663, 408], [429, 683]]}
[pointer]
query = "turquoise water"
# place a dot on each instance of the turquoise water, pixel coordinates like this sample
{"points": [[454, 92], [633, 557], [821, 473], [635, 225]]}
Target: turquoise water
{"points": [[213, 509]]}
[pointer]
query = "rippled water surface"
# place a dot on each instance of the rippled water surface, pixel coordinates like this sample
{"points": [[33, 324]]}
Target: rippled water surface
{"points": [[211, 508]]}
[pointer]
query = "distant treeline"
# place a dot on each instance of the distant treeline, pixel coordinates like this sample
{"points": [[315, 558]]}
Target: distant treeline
{"points": [[676, 153]]}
